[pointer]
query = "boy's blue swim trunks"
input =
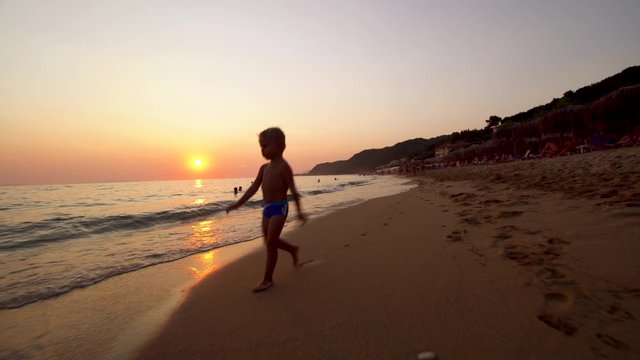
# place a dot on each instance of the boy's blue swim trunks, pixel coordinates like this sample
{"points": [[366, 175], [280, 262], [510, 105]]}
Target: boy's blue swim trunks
{"points": [[276, 208]]}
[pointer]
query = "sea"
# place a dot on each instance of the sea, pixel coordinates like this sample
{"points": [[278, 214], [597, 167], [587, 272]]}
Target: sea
{"points": [[58, 238]]}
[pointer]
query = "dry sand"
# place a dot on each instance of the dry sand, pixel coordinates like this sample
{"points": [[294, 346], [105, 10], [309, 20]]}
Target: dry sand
{"points": [[531, 260]]}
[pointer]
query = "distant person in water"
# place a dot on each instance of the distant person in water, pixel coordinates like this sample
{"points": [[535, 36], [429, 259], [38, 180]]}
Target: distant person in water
{"points": [[235, 191], [240, 188], [276, 178]]}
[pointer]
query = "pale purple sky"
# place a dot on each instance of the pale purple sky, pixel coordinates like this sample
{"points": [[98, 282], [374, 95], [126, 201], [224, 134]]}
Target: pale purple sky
{"points": [[130, 90]]}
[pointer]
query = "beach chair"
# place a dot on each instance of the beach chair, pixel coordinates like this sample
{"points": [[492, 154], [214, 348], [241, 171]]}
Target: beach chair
{"points": [[530, 155]]}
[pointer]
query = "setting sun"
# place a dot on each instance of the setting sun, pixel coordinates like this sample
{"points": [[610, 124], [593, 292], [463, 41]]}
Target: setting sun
{"points": [[198, 163]]}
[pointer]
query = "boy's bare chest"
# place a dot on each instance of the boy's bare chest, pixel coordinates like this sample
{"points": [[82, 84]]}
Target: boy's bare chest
{"points": [[273, 178]]}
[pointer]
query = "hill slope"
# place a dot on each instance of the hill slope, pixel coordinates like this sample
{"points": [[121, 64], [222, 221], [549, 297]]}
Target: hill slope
{"points": [[368, 160]]}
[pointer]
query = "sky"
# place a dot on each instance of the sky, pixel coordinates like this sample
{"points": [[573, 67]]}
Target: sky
{"points": [[97, 91]]}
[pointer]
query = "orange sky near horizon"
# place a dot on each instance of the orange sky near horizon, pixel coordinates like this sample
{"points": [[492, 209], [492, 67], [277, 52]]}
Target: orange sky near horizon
{"points": [[126, 91]]}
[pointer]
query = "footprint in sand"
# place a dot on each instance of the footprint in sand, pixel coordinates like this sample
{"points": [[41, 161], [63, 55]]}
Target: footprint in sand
{"points": [[514, 252], [554, 312], [471, 220], [550, 273], [463, 213], [455, 236], [512, 228], [516, 203], [613, 342], [531, 232], [508, 228], [488, 218], [509, 214], [463, 197], [363, 234], [499, 238], [618, 313], [310, 262], [557, 241]]}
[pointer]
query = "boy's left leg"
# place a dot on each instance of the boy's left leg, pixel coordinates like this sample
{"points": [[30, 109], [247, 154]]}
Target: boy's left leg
{"points": [[291, 249], [277, 231]]}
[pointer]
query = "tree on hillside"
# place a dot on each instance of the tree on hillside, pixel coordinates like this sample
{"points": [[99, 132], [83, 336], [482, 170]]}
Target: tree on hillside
{"points": [[493, 121], [471, 136]]}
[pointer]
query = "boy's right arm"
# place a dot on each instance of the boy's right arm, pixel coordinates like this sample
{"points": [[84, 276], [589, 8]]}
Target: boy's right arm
{"points": [[288, 174], [250, 191]]}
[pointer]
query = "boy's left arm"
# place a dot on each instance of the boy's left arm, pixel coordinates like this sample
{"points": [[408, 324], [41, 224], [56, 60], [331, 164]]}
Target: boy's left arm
{"points": [[294, 193]]}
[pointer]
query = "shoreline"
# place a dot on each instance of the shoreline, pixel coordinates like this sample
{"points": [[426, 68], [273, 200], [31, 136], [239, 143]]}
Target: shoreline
{"points": [[114, 317], [110, 319], [492, 255], [506, 270]]}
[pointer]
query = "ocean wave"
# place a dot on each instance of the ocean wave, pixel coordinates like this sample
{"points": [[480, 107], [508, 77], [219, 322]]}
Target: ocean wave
{"points": [[58, 229], [18, 294], [79, 254], [66, 227], [355, 183], [318, 192]]}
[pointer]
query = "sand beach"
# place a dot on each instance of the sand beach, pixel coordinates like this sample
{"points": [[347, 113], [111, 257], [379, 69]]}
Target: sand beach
{"points": [[530, 259], [431, 144]]}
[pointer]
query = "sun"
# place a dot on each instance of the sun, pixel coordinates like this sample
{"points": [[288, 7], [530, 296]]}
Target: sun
{"points": [[198, 163]]}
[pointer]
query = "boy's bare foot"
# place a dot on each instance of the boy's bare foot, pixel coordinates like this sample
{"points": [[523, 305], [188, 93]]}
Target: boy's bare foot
{"points": [[263, 286], [294, 255]]}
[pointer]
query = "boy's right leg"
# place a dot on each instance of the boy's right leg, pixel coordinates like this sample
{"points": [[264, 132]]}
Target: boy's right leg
{"points": [[274, 228], [266, 283], [271, 227]]}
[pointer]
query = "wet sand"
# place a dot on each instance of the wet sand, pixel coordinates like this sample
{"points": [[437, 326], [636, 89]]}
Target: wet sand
{"points": [[111, 319], [532, 259]]}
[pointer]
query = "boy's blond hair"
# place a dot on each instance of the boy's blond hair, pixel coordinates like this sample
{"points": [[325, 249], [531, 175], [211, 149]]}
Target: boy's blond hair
{"points": [[274, 133]]}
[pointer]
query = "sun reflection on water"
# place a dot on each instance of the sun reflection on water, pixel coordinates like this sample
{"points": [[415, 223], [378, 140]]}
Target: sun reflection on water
{"points": [[207, 263], [204, 234], [197, 183], [202, 230]]}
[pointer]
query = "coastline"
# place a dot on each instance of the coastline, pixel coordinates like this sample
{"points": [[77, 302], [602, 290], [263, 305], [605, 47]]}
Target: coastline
{"points": [[483, 269], [489, 264], [110, 319]]}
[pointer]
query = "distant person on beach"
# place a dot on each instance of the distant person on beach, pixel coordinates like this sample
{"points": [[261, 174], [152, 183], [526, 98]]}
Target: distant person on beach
{"points": [[276, 178]]}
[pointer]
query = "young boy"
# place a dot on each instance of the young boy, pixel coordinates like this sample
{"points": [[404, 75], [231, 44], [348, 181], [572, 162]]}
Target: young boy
{"points": [[276, 179]]}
